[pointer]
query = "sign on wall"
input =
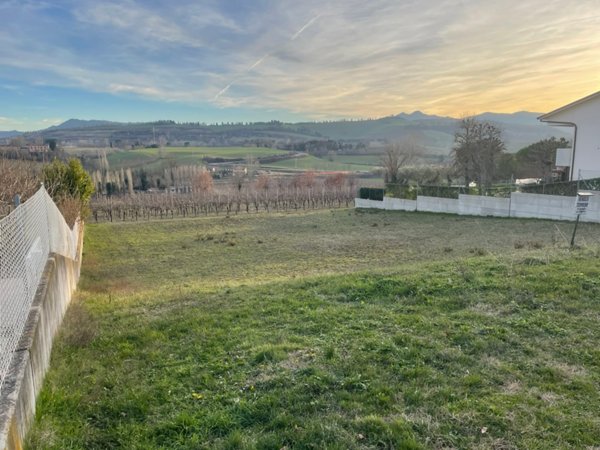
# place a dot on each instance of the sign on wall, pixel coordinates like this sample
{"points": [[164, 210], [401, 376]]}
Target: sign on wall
{"points": [[583, 201]]}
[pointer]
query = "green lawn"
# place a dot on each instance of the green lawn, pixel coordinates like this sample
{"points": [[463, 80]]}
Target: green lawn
{"points": [[330, 329], [156, 158], [310, 162], [359, 160]]}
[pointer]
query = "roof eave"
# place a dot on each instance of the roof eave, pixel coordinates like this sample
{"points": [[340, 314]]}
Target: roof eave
{"points": [[556, 123], [545, 117]]}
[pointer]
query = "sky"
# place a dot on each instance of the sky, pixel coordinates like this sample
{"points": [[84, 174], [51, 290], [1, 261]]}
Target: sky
{"points": [[254, 60]]}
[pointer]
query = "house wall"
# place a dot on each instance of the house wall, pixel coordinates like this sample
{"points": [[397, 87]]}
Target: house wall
{"points": [[587, 150]]}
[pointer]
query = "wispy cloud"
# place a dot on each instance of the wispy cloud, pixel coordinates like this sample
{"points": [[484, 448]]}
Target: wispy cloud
{"points": [[11, 123], [52, 121], [341, 58]]}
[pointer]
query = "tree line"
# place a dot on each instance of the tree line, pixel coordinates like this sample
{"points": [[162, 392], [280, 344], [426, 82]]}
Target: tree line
{"points": [[478, 157]]}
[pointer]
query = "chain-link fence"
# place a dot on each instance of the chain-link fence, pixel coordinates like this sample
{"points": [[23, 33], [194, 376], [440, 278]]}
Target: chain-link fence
{"points": [[562, 188], [27, 236]]}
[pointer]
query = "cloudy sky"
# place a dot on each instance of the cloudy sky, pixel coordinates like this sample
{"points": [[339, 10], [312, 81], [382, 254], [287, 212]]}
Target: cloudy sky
{"points": [[246, 60]]}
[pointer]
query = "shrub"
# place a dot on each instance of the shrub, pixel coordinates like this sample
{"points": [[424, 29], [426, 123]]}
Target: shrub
{"points": [[70, 186], [371, 193], [401, 191], [68, 179], [442, 191]]}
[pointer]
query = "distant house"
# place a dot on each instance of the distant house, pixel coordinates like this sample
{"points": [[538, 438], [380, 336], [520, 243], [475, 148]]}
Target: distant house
{"points": [[33, 149], [582, 161]]}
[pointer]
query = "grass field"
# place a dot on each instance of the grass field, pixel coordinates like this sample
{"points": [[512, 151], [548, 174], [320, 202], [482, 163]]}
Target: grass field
{"points": [[155, 158], [339, 162], [331, 329]]}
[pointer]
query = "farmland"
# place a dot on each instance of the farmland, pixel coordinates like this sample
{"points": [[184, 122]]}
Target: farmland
{"points": [[348, 163], [329, 329], [155, 158]]}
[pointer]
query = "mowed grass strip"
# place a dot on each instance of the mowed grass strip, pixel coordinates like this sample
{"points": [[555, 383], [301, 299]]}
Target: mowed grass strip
{"points": [[321, 330]]}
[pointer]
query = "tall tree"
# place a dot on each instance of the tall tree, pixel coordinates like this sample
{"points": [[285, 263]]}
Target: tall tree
{"points": [[537, 160], [477, 148]]}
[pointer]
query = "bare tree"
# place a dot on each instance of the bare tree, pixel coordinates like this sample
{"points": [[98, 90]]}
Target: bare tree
{"points": [[203, 182], [477, 148], [397, 155], [17, 177]]}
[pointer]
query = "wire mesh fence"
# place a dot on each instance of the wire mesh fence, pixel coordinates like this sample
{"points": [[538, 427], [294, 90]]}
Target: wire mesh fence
{"points": [[27, 236], [560, 188]]}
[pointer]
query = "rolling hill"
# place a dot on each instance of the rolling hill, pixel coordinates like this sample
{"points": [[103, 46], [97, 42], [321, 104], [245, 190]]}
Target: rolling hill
{"points": [[436, 133]]}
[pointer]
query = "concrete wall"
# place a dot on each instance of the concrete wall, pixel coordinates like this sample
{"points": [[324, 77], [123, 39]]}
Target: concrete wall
{"points": [[399, 204], [32, 357], [539, 206], [368, 204], [477, 205], [437, 204]]}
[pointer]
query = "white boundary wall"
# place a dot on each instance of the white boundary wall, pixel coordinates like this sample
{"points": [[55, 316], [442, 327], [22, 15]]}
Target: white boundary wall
{"points": [[541, 206], [477, 205], [437, 204], [399, 204], [536, 206]]}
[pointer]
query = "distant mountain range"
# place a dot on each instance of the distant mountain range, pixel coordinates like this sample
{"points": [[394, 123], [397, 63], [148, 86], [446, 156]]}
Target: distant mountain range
{"points": [[436, 133], [9, 134], [78, 123]]}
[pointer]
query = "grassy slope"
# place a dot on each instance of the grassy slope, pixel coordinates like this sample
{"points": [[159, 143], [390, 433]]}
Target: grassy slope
{"points": [[321, 330]]}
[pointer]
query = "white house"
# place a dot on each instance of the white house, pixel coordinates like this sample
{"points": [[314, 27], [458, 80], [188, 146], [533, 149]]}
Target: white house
{"points": [[583, 160]]}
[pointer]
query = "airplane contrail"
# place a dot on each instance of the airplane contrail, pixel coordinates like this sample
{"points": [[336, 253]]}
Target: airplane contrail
{"points": [[226, 88], [306, 25], [261, 60], [222, 91], [257, 63]]}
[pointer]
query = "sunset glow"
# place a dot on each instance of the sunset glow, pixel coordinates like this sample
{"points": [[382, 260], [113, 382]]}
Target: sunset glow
{"points": [[310, 60]]}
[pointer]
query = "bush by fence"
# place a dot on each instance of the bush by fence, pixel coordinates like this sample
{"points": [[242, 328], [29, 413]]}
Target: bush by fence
{"points": [[410, 192], [567, 188], [404, 191], [371, 193]]}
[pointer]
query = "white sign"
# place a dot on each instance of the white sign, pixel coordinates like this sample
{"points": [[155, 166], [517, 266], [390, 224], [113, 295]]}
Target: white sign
{"points": [[563, 157], [583, 201]]}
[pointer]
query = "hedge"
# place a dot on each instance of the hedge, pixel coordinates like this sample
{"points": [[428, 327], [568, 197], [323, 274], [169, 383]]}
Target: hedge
{"points": [[371, 193]]}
